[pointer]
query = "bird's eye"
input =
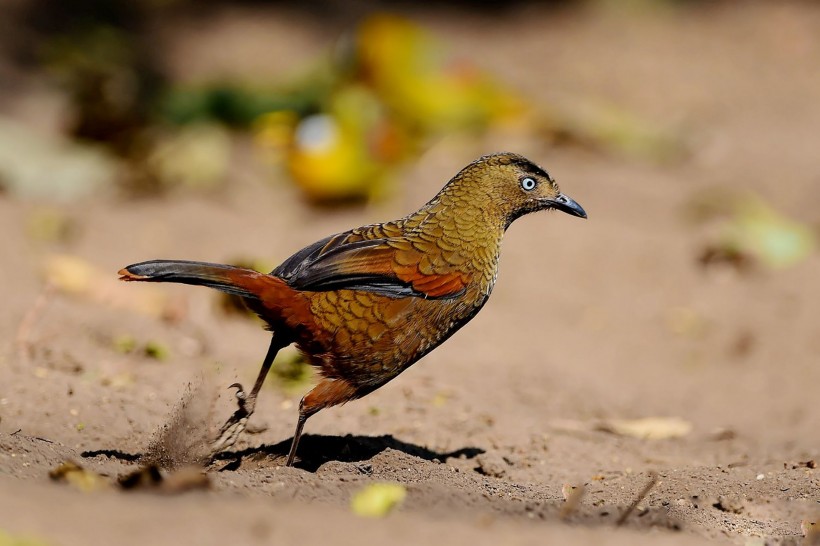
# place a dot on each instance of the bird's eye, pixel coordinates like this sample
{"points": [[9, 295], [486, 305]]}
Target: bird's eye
{"points": [[528, 183]]}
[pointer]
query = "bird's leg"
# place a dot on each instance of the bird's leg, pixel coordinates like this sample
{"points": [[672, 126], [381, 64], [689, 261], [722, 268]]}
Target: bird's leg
{"points": [[300, 424], [234, 426], [329, 392]]}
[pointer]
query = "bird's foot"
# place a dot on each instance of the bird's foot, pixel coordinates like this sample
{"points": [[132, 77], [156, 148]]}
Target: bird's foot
{"points": [[237, 423]]}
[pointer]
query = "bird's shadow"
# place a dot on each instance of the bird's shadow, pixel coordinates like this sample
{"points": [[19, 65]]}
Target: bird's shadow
{"points": [[314, 451], [317, 450]]}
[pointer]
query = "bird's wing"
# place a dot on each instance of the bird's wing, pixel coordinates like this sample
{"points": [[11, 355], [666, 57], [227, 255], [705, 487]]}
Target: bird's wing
{"points": [[391, 266]]}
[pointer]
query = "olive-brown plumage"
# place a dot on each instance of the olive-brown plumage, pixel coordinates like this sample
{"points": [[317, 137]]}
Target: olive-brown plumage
{"points": [[366, 304]]}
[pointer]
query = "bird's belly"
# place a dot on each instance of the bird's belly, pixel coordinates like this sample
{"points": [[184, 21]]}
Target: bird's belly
{"points": [[370, 338]]}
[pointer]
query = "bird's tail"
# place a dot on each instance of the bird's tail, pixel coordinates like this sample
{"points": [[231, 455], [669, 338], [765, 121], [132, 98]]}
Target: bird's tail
{"points": [[246, 283]]}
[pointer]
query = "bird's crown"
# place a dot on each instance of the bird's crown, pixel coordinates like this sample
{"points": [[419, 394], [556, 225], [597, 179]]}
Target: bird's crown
{"points": [[510, 186]]}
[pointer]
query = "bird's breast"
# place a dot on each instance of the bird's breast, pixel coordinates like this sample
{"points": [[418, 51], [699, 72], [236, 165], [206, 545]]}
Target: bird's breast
{"points": [[379, 335]]}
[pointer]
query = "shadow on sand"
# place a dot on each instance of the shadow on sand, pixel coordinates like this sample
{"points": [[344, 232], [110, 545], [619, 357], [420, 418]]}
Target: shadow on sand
{"points": [[316, 450]]}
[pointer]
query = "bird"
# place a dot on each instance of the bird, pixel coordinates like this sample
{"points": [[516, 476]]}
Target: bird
{"points": [[364, 305]]}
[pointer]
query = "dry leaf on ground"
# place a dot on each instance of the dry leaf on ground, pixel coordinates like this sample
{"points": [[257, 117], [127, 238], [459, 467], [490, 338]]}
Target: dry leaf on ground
{"points": [[648, 428]]}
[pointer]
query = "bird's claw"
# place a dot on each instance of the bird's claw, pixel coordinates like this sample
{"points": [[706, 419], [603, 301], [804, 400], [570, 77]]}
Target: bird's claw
{"points": [[240, 390], [234, 426]]}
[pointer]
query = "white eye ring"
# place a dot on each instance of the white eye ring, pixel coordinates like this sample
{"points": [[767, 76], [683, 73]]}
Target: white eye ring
{"points": [[528, 184]]}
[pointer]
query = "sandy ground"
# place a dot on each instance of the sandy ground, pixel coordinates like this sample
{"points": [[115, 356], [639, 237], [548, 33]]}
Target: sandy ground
{"points": [[584, 326]]}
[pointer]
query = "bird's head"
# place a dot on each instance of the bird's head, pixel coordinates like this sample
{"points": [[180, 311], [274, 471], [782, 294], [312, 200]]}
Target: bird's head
{"points": [[515, 186]]}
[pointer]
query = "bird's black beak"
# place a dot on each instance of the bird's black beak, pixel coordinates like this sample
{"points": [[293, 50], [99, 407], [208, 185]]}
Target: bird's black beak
{"points": [[568, 205]]}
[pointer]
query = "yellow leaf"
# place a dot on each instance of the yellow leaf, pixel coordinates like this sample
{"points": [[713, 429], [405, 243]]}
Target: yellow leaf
{"points": [[775, 239], [7, 539], [76, 476], [377, 500], [156, 350], [648, 428]]}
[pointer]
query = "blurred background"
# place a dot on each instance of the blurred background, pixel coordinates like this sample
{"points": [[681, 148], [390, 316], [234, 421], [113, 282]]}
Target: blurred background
{"points": [[154, 96], [337, 102], [240, 131]]}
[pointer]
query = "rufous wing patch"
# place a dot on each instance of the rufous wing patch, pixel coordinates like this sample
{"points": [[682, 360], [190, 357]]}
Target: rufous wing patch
{"points": [[389, 266]]}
